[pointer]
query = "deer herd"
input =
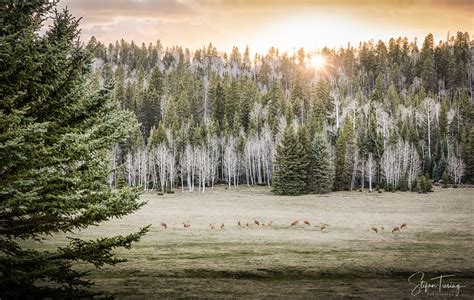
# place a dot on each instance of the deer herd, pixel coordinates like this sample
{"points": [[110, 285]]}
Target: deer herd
{"points": [[259, 223], [394, 230]]}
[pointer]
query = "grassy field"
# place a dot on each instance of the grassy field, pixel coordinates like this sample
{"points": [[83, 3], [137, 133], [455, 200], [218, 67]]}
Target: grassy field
{"points": [[347, 259]]}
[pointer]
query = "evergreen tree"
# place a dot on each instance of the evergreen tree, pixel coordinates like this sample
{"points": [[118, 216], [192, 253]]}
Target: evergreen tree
{"points": [[428, 70], [55, 137], [443, 119], [468, 151], [320, 173], [345, 147], [290, 165], [303, 139]]}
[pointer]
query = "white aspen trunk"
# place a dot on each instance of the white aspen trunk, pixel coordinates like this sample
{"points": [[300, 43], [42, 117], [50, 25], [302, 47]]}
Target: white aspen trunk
{"points": [[429, 135]]}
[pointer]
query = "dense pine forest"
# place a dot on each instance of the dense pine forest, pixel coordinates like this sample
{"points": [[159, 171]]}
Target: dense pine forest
{"points": [[391, 116]]}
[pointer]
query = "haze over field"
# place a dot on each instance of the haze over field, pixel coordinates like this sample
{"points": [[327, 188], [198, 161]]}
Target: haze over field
{"points": [[262, 24]]}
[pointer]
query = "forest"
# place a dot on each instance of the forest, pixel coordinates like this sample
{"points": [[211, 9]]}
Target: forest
{"points": [[104, 146], [392, 116]]}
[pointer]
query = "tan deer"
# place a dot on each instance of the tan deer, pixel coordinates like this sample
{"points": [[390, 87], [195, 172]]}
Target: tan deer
{"points": [[294, 223], [164, 225], [222, 226], [186, 225], [404, 225], [374, 229], [212, 226], [240, 224], [307, 222], [395, 229], [256, 222], [382, 229], [323, 226], [270, 223]]}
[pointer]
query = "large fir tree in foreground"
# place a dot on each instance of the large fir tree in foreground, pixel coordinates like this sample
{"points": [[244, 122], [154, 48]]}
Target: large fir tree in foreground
{"points": [[55, 136]]}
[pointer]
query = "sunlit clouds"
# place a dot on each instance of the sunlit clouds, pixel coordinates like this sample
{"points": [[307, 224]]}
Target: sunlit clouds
{"points": [[262, 24]]}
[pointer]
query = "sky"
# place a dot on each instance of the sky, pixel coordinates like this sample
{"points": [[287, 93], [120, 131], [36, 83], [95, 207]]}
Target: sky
{"points": [[261, 24]]}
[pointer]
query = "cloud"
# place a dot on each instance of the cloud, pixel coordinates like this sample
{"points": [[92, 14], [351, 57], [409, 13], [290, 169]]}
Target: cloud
{"points": [[265, 23], [108, 10]]}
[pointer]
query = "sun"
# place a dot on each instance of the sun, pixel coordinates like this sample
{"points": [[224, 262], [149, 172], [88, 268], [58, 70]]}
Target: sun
{"points": [[318, 61]]}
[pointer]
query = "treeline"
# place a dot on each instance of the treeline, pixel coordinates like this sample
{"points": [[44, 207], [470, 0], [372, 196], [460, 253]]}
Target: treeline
{"points": [[375, 116]]}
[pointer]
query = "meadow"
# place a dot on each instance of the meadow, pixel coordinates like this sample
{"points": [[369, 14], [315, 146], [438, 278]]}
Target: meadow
{"points": [[345, 259]]}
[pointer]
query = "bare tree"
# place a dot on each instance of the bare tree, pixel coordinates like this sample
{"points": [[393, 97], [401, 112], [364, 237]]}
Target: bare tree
{"points": [[426, 116], [370, 170], [455, 167], [399, 161]]}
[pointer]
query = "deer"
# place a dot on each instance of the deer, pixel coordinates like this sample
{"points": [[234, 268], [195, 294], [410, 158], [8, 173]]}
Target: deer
{"points": [[395, 229], [164, 225], [222, 226], [404, 225], [256, 222], [294, 223], [307, 222], [247, 224], [323, 226], [382, 229], [270, 223], [240, 224], [212, 226], [374, 229], [186, 225]]}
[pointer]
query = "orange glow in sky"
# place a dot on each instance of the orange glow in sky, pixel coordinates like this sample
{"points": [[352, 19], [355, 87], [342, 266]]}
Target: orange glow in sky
{"points": [[262, 24]]}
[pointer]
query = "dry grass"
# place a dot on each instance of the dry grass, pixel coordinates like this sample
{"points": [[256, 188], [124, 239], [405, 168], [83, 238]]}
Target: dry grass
{"points": [[347, 259]]}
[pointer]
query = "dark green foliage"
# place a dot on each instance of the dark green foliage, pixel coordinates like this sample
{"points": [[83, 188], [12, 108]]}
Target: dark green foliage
{"points": [[181, 89], [428, 70], [55, 138], [303, 139], [468, 151], [445, 180], [345, 147], [424, 184], [389, 187], [428, 183], [290, 165], [420, 187], [320, 179], [403, 185]]}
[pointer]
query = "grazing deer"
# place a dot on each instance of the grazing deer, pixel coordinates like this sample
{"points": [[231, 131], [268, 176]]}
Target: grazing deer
{"points": [[222, 226], [212, 226], [296, 222], [270, 223], [164, 225], [382, 229], [323, 226], [374, 229], [395, 229], [256, 222], [307, 222], [240, 224], [186, 225], [404, 225]]}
